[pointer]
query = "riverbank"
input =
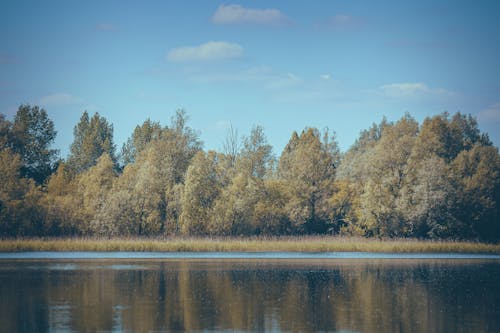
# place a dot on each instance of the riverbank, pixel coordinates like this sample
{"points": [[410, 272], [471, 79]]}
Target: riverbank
{"points": [[278, 244]]}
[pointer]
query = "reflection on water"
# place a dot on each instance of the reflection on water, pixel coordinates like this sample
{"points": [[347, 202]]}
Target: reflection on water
{"points": [[250, 295]]}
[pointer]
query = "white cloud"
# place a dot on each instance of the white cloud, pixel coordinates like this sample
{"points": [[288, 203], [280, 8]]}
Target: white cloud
{"points": [[413, 90], [325, 76], [210, 51], [491, 114], [237, 14], [59, 99]]}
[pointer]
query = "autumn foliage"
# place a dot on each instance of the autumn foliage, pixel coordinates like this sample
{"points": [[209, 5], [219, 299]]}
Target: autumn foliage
{"points": [[439, 179]]}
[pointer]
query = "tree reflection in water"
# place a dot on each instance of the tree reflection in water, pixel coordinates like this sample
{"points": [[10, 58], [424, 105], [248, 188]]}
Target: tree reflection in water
{"points": [[250, 295]]}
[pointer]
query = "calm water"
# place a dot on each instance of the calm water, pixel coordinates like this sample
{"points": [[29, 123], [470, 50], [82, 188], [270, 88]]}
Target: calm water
{"points": [[302, 293]]}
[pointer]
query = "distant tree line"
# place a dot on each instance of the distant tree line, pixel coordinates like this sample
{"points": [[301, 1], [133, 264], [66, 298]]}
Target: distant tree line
{"points": [[438, 179]]}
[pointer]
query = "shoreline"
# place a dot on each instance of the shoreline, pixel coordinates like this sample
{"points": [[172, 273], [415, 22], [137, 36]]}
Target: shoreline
{"points": [[307, 244]]}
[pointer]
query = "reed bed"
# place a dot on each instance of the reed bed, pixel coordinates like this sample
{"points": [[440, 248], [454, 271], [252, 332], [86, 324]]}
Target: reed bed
{"points": [[253, 244]]}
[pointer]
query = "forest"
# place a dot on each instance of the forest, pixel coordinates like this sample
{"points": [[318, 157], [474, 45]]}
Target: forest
{"points": [[436, 180]]}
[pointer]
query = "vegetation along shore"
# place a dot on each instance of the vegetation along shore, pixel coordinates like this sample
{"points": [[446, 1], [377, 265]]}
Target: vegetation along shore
{"points": [[253, 244], [436, 180]]}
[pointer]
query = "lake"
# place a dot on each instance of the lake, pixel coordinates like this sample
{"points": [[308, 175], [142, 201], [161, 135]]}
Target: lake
{"points": [[275, 292]]}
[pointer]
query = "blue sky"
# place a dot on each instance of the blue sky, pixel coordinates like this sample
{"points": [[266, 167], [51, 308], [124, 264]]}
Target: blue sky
{"points": [[280, 64]]}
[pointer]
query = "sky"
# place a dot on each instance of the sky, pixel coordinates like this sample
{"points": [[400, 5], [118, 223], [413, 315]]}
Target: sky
{"points": [[283, 65]]}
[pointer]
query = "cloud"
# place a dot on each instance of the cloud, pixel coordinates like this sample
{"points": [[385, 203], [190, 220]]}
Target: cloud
{"points": [[325, 76], [106, 27], [237, 14], [342, 22], [413, 90], [59, 99], [210, 51], [491, 114]]}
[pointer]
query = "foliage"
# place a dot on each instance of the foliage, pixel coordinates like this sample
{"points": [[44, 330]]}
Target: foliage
{"points": [[92, 138], [307, 166], [437, 180], [30, 136], [142, 135]]}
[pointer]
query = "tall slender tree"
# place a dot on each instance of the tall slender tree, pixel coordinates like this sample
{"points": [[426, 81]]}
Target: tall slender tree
{"points": [[92, 138]]}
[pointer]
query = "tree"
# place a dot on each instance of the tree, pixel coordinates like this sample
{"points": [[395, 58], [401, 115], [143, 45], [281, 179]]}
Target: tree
{"points": [[344, 207], [20, 212], [32, 134], [270, 215], [5, 133], [233, 211], [92, 138], [256, 155], [94, 185], [446, 138], [201, 189], [476, 174], [62, 204], [388, 169], [243, 188], [145, 200], [354, 165], [231, 146], [352, 175], [140, 138], [307, 165], [426, 199]]}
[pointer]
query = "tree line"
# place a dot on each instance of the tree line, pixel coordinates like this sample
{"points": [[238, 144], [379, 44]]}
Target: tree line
{"points": [[439, 179]]}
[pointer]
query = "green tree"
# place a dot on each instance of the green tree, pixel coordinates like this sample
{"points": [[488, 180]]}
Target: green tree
{"points": [[141, 136], [446, 137], [20, 212], [307, 165], [426, 199], [201, 189], [476, 174], [352, 175], [256, 155], [93, 186], [388, 169], [354, 166], [32, 134], [5, 133], [145, 200], [234, 211], [92, 138], [62, 204], [270, 215]]}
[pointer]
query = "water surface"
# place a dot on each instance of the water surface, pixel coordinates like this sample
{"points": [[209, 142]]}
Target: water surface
{"points": [[240, 255], [207, 292]]}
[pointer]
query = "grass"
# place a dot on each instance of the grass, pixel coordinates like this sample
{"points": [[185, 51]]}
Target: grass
{"points": [[253, 244]]}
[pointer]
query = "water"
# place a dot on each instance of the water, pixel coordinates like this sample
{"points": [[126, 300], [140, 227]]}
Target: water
{"points": [[240, 255], [264, 292]]}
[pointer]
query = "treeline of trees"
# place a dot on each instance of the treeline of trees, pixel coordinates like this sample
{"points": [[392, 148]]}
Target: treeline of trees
{"points": [[438, 179]]}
